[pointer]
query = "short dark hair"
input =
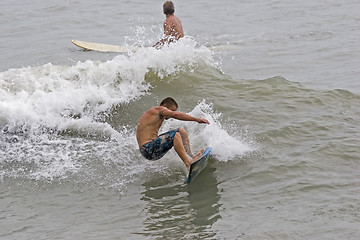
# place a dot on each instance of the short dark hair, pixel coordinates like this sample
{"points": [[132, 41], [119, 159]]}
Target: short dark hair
{"points": [[168, 102], [168, 7]]}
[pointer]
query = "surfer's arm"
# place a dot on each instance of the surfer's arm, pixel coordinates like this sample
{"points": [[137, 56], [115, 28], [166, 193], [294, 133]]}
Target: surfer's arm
{"points": [[161, 43], [167, 33], [182, 116], [168, 29]]}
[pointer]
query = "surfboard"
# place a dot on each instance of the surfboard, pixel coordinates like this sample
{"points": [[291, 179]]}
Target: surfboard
{"points": [[197, 166], [100, 47]]}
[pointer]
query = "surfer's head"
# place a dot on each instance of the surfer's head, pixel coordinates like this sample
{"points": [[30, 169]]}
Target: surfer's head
{"points": [[169, 103], [168, 7]]}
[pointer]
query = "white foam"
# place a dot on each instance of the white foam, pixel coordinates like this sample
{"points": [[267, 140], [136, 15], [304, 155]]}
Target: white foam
{"points": [[36, 103], [60, 96]]}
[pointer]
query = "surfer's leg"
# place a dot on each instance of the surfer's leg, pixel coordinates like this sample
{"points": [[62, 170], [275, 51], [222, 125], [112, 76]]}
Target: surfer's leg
{"points": [[186, 142], [180, 149]]}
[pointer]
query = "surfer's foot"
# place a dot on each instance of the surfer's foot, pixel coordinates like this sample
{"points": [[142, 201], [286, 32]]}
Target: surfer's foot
{"points": [[197, 156]]}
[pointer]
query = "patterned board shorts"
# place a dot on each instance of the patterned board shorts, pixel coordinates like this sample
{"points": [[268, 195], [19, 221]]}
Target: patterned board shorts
{"points": [[158, 147]]}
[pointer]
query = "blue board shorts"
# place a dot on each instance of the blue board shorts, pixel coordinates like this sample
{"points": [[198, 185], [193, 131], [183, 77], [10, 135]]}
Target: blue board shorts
{"points": [[158, 147]]}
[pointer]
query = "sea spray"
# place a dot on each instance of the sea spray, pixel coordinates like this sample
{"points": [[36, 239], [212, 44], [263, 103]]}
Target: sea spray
{"points": [[58, 97], [55, 121], [226, 146]]}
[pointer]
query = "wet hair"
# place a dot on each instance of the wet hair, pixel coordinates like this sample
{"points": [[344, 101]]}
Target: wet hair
{"points": [[168, 7], [169, 102]]}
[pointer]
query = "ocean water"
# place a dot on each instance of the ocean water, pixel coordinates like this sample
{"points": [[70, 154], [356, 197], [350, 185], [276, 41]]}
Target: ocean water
{"points": [[278, 81]]}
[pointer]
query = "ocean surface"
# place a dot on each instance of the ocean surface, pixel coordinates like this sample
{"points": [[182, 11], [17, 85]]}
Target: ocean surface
{"points": [[278, 81]]}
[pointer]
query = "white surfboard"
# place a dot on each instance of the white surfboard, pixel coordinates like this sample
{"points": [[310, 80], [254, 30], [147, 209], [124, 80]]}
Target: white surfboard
{"points": [[100, 47]]}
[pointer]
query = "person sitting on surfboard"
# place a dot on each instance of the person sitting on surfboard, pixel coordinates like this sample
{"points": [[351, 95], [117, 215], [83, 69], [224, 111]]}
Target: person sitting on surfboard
{"points": [[172, 25], [153, 146]]}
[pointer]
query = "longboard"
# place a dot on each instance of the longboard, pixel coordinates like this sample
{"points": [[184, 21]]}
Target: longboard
{"points": [[100, 47], [197, 166]]}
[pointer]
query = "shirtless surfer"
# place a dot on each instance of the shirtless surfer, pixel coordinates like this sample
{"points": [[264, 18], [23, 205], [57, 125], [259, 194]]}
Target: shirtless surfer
{"points": [[153, 146], [172, 25]]}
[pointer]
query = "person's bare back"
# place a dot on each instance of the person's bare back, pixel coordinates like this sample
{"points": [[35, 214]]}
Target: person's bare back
{"points": [[173, 27]]}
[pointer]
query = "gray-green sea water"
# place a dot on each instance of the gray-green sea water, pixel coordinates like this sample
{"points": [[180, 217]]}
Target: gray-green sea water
{"points": [[278, 81]]}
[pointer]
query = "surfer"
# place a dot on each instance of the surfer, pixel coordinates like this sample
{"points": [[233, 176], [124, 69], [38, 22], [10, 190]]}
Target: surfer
{"points": [[153, 146], [172, 25]]}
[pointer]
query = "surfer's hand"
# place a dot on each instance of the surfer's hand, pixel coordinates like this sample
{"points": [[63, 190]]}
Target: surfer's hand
{"points": [[202, 120]]}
